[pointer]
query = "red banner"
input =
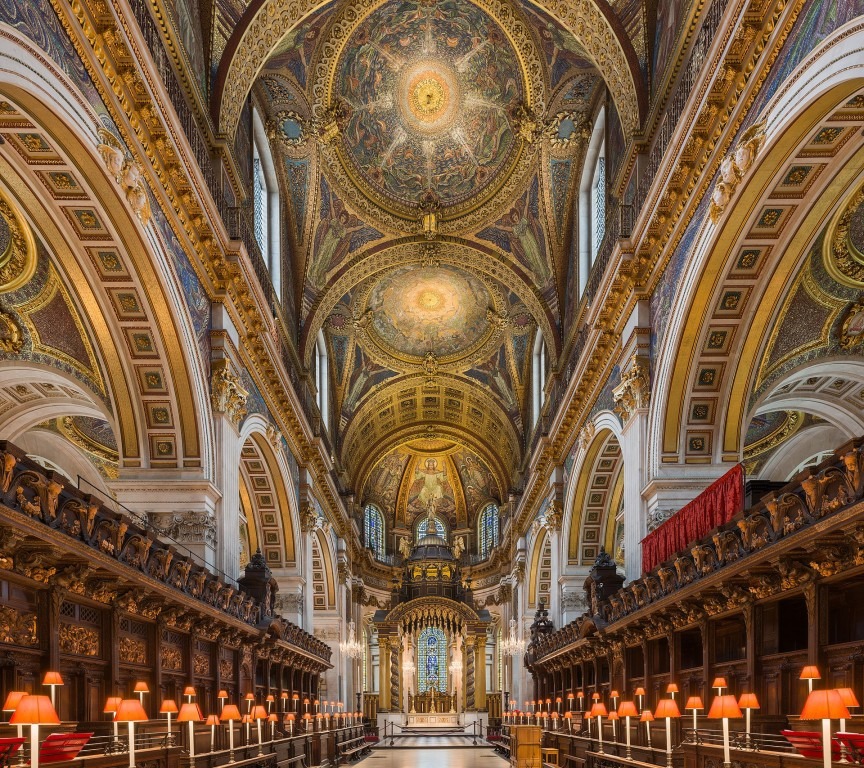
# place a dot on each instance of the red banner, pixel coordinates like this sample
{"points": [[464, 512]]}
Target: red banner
{"points": [[717, 504]]}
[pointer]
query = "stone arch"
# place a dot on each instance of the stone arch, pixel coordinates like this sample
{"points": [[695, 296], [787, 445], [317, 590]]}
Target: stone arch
{"points": [[540, 569], [700, 401], [265, 22], [119, 270], [266, 490], [323, 573], [596, 498]]}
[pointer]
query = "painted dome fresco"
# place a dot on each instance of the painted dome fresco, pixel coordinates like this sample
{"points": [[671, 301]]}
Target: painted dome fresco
{"points": [[441, 309], [428, 96]]}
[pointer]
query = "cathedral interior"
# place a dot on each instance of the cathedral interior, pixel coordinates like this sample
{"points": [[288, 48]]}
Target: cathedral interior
{"points": [[375, 369]]}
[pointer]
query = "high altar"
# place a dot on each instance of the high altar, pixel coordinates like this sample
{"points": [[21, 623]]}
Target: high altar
{"points": [[432, 641]]}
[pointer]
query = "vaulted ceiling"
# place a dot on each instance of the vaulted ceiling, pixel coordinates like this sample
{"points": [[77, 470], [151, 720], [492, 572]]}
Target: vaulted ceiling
{"points": [[432, 153]]}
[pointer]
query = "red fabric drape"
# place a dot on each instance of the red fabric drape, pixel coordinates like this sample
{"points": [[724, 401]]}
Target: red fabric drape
{"points": [[717, 504]]}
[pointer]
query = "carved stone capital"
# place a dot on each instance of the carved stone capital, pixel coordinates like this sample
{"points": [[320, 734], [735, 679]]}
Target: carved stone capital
{"points": [[634, 391], [190, 527], [227, 395]]}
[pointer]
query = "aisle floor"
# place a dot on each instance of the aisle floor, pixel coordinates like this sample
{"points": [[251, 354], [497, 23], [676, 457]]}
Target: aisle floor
{"points": [[434, 757]]}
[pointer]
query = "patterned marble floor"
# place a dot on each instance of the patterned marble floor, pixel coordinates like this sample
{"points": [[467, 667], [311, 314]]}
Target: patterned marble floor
{"points": [[433, 755]]}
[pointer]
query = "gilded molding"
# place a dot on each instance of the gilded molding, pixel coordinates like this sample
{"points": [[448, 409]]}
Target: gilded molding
{"points": [[733, 167], [845, 263], [18, 255], [126, 172]]}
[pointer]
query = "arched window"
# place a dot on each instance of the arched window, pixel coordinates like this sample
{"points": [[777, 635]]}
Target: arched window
{"points": [[592, 199], [438, 528], [322, 381], [265, 202], [432, 657], [538, 377], [373, 529], [487, 530]]}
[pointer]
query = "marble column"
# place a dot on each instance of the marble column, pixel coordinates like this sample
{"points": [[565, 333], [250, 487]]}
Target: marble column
{"points": [[480, 667]]}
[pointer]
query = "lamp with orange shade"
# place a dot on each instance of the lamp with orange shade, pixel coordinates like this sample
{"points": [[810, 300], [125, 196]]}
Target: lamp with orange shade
{"points": [[111, 704], [34, 711], [222, 696], [847, 695], [230, 713], [694, 703], [284, 698], [599, 711], [639, 693], [647, 718], [11, 704], [212, 721], [249, 698], [627, 710], [614, 696], [190, 713], [131, 711], [587, 718], [672, 689], [247, 721], [810, 673], [581, 696], [169, 707], [270, 699], [747, 702], [555, 717], [613, 718], [272, 718], [719, 683], [723, 708], [259, 713], [290, 720], [558, 703], [825, 706], [666, 710], [294, 699], [52, 680], [189, 693], [141, 688]]}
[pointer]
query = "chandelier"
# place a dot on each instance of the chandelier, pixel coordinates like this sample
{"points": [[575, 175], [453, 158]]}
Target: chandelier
{"points": [[352, 647], [512, 645]]}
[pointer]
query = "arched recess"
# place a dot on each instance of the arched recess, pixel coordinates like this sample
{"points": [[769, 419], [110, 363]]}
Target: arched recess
{"points": [[708, 361], [265, 491], [119, 270], [48, 414], [266, 22], [323, 573], [596, 499], [540, 570]]}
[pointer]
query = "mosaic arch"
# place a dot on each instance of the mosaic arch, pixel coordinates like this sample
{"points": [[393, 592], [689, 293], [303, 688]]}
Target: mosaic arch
{"points": [[151, 379], [263, 27], [596, 500], [703, 415]]}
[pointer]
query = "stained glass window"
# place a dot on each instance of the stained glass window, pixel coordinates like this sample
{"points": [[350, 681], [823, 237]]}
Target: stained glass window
{"points": [[373, 526], [432, 668], [423, 528], [487, 530]]}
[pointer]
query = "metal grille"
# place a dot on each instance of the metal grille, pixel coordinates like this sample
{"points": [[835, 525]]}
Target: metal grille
{"points": [[599, 204]]}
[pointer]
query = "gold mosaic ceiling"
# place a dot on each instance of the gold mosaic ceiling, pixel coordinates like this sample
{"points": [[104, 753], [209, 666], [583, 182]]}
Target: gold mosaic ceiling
{"points": [[431, 248]]}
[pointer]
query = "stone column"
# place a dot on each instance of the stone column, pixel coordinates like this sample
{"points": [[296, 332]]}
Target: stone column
{"points": [[632, 397], [383, 673], [394, 680], [480, 667], [469, 676]]}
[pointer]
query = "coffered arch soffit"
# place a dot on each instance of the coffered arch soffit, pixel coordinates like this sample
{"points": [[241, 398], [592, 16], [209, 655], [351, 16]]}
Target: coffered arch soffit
{"points": [[412, 407], [112, 274], [265, 23], [747, 263]]}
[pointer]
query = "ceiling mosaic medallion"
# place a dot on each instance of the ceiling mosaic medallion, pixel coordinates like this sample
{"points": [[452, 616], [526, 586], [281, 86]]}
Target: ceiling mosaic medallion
{"points": [[17, 248], [424, 100], [430, 318]]}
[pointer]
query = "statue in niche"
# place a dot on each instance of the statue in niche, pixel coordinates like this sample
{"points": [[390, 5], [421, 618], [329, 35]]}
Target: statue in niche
{"points": [[404, 547], [458, 547]]}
